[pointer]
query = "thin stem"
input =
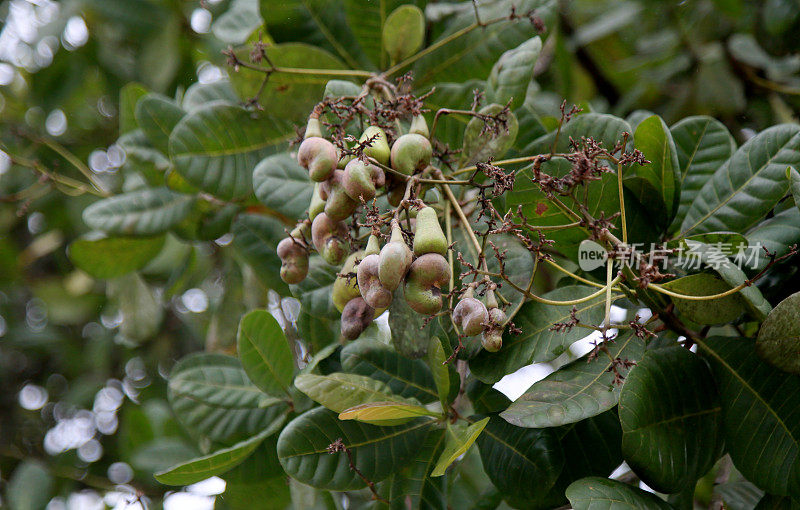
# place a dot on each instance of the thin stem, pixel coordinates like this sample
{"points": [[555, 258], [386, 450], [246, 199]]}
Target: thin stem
{"points": [[546, 301], [459, 212], [658, 288], [609, 273], [448, 226], [622, 204], [300, 70], [573, 275]]}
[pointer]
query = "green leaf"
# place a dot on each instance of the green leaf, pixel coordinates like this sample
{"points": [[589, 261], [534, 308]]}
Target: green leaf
{"points": [[538, 342], [213, 464], [410, 335], [776, 234], [255, 239], [594, 493], [315, 293], [29, 487], [258, 483], [128, 97], [512, 73], [779, 336], [216, 147], [709, 311], [436, 359], [703, 145], [729, 243], [386, 413], [473, 56], [145, 212], [759, 414], [140, 308], [485, 399], [671, 419], [403, 32], [286, 96], [520, 462], [733, 276], [405, 377], [110, 257], [458, 438], [236, 24], [319, 22], [480, 146], [339, 392], [749, 185], [283, 185], [653, 138], [579, 390], [591, 448], [771, 502], [412, 488], [376, 452], [199, 94], [367, 20], [212, 396], [794, 185], [265, 353], [157, 115]]}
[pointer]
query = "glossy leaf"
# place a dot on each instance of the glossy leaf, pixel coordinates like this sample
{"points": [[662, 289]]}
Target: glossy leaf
{"points": [[406, 377], [591, 448], [594, 493], [145, 212], [212, 395], [703, 145], [140, 307], [520, 462], [29, 486], [732, 274], [538, 342], [156, 116], [216, 147], [255, 239], [110, 257], [200, 94], [286, 96], [258, 483], [478, 50], [129, 95], [283, 185], [240, 20], [480, 145], [403, 31], [670, 441], [386, 413], [654, 139], [376, 451], [216, 463], [458, 438], [265, 353], [413, 488], [339, 391], [779, 336], [710, 311], [749, 185], [511, 74], [437, 362], [579, 390], [761, 418], [315, 293], [776, 234]]}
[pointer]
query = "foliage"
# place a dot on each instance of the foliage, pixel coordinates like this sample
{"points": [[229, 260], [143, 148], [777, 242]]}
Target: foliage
{"points": [[259, 191]]}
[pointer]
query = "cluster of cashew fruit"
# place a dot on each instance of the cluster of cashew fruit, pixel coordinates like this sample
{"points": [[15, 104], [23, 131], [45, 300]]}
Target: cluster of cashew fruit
{"points": [[344, 182]]}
